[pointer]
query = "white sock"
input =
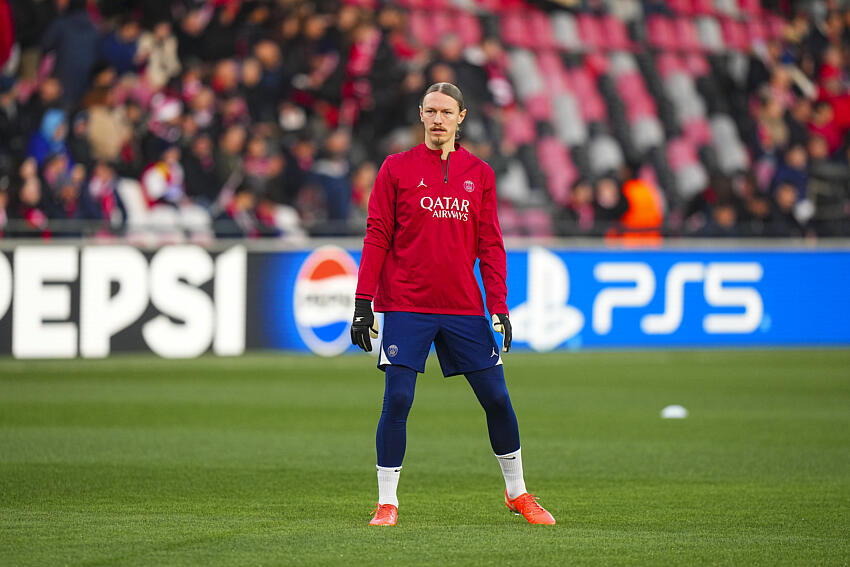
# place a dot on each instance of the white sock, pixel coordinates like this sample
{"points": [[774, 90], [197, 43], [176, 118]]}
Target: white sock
{"points": [[512, 471], [387, 485]]}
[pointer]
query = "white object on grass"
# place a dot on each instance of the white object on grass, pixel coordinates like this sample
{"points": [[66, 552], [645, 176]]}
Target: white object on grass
{"points": [[674, 412]]}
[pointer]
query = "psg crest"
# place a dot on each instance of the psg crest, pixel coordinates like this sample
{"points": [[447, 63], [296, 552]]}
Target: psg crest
{"points": [[469, 186]]}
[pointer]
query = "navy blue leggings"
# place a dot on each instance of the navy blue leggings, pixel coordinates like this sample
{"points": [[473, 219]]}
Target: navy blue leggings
{"points": [[490, 389]]}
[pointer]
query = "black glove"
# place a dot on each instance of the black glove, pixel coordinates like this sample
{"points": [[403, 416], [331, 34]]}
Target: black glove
{"points": [[363, 325], [501, 324]]}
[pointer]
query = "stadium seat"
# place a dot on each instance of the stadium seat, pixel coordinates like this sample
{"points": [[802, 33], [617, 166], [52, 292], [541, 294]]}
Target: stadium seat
{"points": [[513, 183], [697, 131], [420, 28], [537, 222], [710, 35], [697, 65], [552, 69], [559, 170], [525, 74], [615, 34], [691, 180], [539, 29], [731, 154], [660, 32], [590, 31], [647, 133], [687, 35], [513, 29], [668, 63], [751, 8], [539, 107], [468, 28], [566, 32], [727, 8], [605, 154], [734, 34], [569, 122], [622, 62], [583, 87], [519, 127]]}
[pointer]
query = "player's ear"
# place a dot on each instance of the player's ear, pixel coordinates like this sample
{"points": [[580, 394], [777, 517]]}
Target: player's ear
{"points": [[421, 116], [461, 116]]}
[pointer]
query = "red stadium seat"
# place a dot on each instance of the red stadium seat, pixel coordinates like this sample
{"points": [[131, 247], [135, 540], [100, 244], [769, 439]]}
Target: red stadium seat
{"points": [[537, 222], [616, 36], [468, 27], [558, 166], [668, 63], [687, 37], [590, 31], [552, 70], [752, 8], [519, 127], [513, 29], [757, 30], [539, 107], [697, 131], [539, 28], [660, 32], [681, 7], [734, 34], [420, 28], [681, 153], [703, 7], [697, 65]]}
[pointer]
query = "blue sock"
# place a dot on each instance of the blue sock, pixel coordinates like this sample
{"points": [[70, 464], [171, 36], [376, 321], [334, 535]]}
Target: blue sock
{"points": [[391, 439], [492, 393]]}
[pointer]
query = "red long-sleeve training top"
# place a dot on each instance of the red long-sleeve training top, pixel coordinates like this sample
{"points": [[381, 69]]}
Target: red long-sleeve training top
{"points": [[429, 219]]}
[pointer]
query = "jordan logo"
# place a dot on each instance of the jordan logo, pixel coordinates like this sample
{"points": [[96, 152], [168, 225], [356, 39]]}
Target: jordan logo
{"points": [[422, 184], [494, 353]]}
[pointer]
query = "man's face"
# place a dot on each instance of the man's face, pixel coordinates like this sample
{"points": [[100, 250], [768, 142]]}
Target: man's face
{"points": [[441, 116]]}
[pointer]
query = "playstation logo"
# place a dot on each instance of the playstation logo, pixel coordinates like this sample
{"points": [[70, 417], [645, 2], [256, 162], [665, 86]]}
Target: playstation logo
{"points": [[545, 320]]}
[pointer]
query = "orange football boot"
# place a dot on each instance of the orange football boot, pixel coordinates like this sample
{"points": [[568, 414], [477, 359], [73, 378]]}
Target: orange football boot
{"points": [[526, 504], [385, 515]]}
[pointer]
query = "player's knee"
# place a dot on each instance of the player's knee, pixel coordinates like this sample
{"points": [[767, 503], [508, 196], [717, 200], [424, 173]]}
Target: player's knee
{"points": [[499, 403], [399, 402]]}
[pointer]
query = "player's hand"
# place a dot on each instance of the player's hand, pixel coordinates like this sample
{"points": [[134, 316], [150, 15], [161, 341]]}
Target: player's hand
{"points": [[364, 325], [501, 324]]}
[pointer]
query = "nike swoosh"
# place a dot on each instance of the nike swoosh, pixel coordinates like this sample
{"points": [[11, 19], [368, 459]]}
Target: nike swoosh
{"points": [[508, 458], [358, 319]]}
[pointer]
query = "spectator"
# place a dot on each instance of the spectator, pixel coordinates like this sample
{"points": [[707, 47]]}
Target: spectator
{"points": [[120, 47], [100, 200], [108, 127], [203, 183], [332, 169], [723, 222], [609, 204], [25, 210], [578, 217], [50, 139], [73, 39], [823, 124], [784, 221], [159, 51], [793, 169]]}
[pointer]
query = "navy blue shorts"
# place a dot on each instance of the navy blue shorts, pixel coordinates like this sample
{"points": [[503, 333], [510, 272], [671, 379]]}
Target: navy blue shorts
{"points": [[464, 343]]}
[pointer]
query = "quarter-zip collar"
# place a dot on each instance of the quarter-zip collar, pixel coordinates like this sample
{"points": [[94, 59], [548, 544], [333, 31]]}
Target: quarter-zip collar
{"points": [[444, 164]]}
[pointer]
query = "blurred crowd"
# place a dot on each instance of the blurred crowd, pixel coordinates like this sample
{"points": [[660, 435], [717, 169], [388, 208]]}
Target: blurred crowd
{"points": [[196, 119]]}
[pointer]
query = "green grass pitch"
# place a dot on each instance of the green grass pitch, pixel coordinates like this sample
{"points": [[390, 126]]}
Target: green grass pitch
{"points": [[269, 460]]}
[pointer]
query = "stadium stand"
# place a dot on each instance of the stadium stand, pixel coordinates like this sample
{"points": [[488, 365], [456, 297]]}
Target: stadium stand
{"points": [[197, 119]]}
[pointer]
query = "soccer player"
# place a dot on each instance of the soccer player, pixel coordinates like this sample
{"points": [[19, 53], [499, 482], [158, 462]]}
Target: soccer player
{"points": [[432, 212]]}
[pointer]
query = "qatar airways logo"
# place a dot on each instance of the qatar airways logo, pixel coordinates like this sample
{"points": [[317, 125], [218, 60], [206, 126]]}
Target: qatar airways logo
{"points": [[446, 207]]}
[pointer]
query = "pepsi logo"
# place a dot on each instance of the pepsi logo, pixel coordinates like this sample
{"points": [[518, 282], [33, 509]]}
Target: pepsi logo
{"points": [[469, 186], [323, 300]]}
